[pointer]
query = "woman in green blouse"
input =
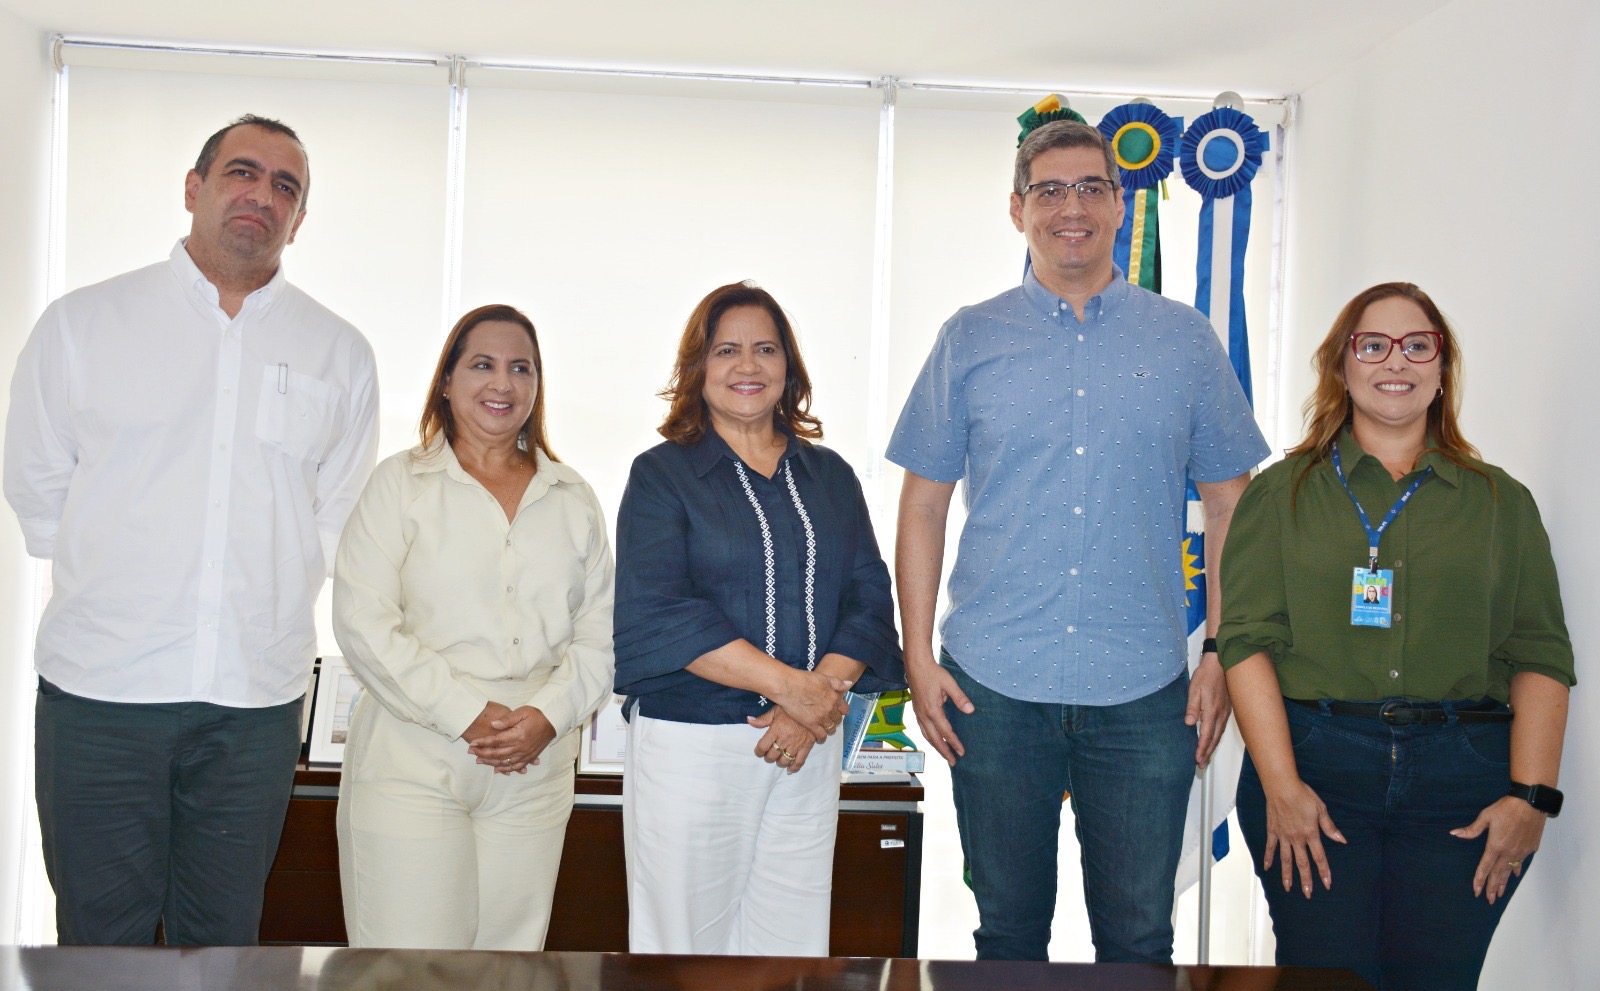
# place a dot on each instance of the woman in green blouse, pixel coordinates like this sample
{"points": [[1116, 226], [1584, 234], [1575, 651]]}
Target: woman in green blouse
{"points": [[1390, 800]]}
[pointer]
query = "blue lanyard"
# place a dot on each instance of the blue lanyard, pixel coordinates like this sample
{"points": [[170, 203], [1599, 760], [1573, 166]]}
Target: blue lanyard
{"points": [[1373, 536]]}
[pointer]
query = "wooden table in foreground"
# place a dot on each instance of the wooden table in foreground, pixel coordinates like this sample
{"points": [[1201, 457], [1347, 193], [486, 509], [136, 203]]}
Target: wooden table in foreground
{"points": [[877, 870], [293, 968]]}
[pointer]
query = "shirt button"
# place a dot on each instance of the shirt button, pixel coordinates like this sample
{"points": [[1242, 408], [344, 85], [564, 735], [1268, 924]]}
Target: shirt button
{"points": [[1080, 392], [1072, 629], [1080, 337], [510, 588], [515, 641], [1077, 510], [1398, 617], [1077, 450], [1061, 306], [1398, 563], [1394, 674], [1072, 571]]}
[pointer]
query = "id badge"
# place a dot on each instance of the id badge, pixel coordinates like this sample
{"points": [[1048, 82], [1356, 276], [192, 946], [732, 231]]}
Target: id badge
{"points": [[1372, 598]]}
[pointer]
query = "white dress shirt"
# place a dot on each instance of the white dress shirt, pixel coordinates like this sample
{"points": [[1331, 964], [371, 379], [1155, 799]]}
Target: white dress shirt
{"points": [[441, 604], [188, 474]]}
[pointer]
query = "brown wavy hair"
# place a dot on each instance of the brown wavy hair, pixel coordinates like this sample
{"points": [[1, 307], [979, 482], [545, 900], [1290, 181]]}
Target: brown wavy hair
{"points": [[437, 417], [688, 419], [1328, 409]]}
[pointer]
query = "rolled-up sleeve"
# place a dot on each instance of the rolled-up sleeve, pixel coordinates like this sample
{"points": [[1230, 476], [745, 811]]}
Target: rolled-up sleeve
{"points": [[662, 623], [1538, 639], [1255, 602]]}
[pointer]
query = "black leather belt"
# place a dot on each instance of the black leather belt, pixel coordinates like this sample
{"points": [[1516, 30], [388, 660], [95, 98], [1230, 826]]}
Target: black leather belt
{"points": [[1399, 712]]}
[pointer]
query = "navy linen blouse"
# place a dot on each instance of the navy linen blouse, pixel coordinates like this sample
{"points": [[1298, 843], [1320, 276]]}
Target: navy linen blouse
{"points": [[691, 576]]}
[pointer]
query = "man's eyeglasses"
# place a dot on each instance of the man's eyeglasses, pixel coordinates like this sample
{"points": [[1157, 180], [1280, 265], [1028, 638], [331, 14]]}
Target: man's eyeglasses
{"points": [[1090, 192], [1419, 348]]}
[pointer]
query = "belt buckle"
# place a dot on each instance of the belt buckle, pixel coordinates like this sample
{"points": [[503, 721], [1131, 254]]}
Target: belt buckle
{"points": [[1397, 712]]}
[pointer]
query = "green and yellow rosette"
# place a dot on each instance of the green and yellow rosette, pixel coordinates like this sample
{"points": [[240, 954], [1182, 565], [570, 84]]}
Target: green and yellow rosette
{"points": [[1051, 108], [1145, 142]]}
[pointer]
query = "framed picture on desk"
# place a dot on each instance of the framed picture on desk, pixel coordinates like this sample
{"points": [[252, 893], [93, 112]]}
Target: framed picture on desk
{"points": [[337, 692], [605, 740]]}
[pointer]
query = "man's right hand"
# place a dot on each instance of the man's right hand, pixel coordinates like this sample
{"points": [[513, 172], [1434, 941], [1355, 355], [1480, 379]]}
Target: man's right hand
{"points": [[931, 685]]}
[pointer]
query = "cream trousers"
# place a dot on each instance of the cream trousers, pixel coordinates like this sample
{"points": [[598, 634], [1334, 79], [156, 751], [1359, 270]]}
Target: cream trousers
{"points": [[437, 850]]}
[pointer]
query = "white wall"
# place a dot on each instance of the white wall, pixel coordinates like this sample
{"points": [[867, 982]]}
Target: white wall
{"points": [[1454, 155], [24, 175]]}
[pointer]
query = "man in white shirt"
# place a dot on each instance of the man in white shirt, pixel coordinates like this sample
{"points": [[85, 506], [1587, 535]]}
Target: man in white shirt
{"points": [[184, 444]]}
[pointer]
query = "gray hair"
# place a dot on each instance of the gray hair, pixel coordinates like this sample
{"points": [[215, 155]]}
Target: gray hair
{"points": [[1061, 134]]}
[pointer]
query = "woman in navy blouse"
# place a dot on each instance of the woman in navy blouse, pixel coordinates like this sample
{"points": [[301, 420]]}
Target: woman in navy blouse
{"points": [[750, 597]]}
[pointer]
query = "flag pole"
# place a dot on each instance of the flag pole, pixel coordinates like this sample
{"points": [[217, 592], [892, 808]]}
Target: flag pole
{"points": [[1203, 956]]}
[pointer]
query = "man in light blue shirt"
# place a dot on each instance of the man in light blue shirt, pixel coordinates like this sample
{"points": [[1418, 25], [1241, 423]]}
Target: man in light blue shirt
{"points": [[1073, 406]]}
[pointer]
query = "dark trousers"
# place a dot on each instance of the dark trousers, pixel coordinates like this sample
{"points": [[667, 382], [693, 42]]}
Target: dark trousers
{"points": [[1129, 768], [164, 812], [1401, 911]]}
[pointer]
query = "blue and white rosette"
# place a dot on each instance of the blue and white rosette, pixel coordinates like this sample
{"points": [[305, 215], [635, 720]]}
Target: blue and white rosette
{"points": [[1220, 154]]}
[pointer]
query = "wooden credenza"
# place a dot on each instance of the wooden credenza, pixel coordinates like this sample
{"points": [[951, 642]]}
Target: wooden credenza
{"points": [[877, 868]]}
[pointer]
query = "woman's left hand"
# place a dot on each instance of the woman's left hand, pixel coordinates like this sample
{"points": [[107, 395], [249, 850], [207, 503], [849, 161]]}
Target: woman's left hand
{"points": [[1515, 828], [785, 742], [519, 739]]}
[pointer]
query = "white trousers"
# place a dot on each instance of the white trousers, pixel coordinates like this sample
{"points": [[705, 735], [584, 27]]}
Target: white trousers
{"points": [[438, 851], [726, 853]]}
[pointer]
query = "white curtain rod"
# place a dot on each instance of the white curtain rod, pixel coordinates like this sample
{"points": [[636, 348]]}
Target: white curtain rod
{"points": [[176, 48]]}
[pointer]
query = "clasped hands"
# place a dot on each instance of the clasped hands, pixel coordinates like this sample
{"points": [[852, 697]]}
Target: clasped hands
{"points": [[509, 740], [805, 712]]}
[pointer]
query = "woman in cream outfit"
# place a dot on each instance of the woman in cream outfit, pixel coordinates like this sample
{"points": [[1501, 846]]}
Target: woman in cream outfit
{"points": [[472, 598]]}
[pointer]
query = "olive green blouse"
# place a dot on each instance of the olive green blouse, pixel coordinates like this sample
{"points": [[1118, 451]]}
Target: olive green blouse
{"points": [[1475, 593]]}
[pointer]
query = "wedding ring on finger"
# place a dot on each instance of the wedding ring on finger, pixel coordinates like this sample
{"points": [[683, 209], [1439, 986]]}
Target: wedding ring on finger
{"points": [[1514, 864]]}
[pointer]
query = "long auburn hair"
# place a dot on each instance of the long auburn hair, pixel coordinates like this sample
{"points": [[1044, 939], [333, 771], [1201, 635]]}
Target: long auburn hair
{"points": [[1329, 408], [688, 418], [438, 418]]}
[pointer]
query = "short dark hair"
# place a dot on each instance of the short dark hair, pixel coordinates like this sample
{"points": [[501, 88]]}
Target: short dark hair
{"points": [[1061, 134], [208, 151], [437, 416], [688, 418]]}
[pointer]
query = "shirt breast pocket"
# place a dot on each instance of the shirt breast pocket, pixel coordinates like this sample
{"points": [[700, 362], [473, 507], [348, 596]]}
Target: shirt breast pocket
{"points": [[297, 414]]}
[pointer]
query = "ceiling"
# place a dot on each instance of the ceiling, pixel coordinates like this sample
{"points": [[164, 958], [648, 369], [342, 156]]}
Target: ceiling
{"points": [[1158, 47]]}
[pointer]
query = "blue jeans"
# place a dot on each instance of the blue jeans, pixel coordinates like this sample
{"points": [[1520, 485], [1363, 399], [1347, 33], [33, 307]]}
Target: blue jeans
{"points": [[1128, 768], [1401, 911]]}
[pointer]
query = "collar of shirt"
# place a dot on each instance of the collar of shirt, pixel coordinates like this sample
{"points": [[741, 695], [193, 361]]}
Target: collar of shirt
{"points": [[201, 288], [1105, 301], [1350, 453], [442, 457], [710, 449]]}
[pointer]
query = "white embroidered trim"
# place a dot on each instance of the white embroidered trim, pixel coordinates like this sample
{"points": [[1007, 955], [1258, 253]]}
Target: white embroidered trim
{"points": [[771, 576]]}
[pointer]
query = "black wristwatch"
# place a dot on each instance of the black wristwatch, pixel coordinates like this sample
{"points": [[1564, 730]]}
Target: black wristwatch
{"points": [[1542, 797], [1208, 646]]}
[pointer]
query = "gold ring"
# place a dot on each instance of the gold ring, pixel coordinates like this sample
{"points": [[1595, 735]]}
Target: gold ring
{"points": [[786, 753], [1514, 864]]}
